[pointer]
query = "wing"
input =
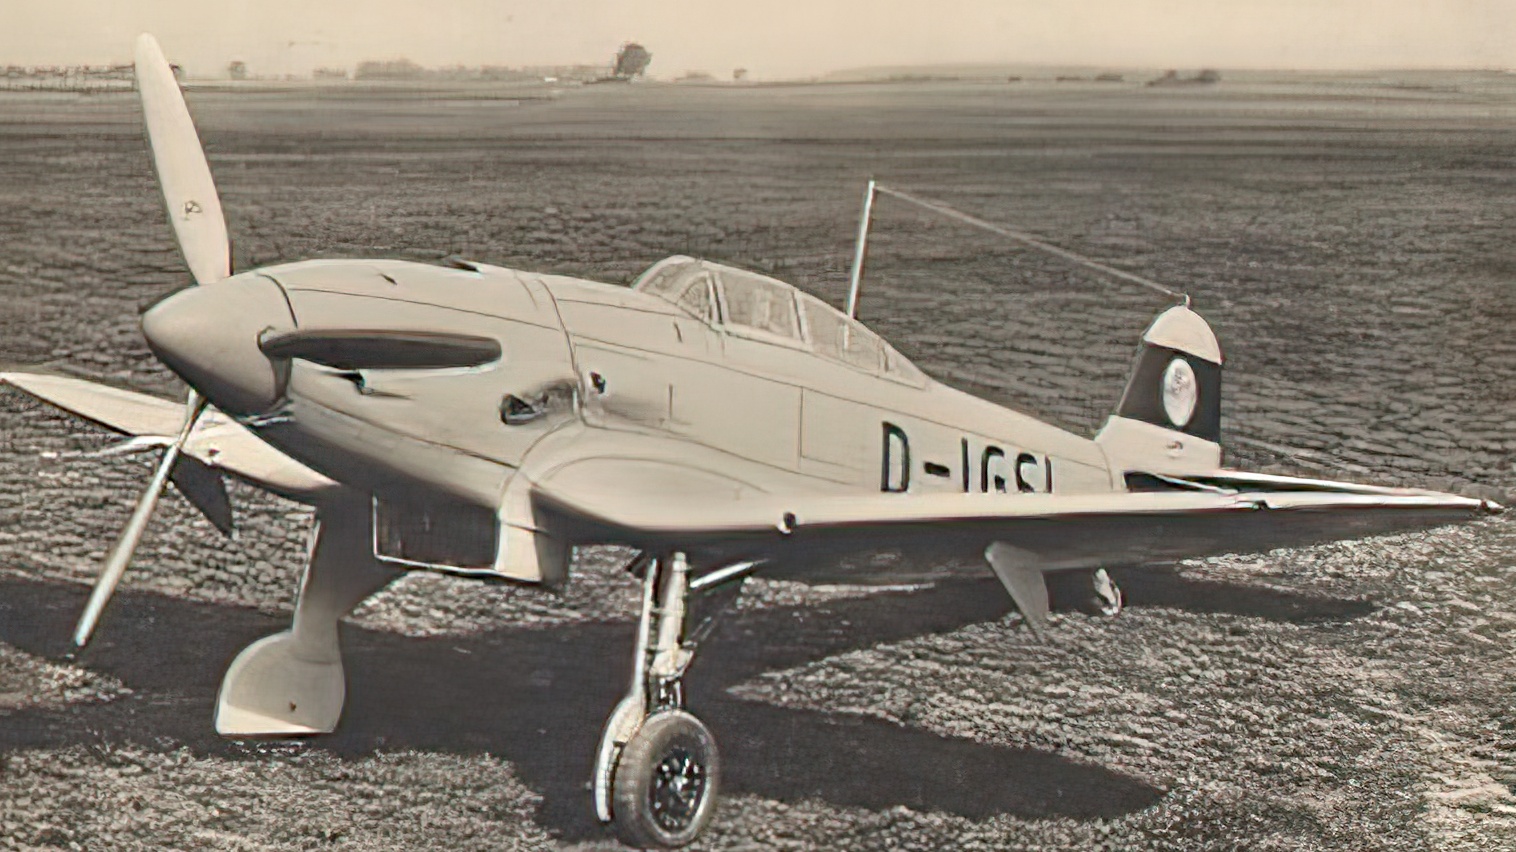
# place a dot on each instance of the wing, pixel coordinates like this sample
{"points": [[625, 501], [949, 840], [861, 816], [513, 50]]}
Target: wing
{"points": [[219, 443], [1052, 532]]}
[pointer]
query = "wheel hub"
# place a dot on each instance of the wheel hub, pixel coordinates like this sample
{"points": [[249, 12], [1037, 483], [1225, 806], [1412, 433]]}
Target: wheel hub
{"points": [[677, 789]]}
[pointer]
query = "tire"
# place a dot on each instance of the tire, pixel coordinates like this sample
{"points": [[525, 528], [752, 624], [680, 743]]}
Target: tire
{"points": [[1108, 599], [665, 784], [1080, 591]]}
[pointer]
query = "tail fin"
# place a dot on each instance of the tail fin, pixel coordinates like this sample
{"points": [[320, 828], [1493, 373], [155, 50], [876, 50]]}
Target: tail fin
{"points": [[1169, 417]]}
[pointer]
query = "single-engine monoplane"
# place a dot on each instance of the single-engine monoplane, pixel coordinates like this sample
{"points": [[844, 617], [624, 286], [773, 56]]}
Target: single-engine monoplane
{"points": [[483, 421]]}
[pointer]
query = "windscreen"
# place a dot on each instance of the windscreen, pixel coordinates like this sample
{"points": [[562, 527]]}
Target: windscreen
{"points": [[839, 338], [758, 303]]}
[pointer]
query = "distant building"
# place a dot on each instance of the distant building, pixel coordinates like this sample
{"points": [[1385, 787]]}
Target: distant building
{"points": [[567, 73], [1172, 78], [389, 69], [502, 73], [68, 78]]}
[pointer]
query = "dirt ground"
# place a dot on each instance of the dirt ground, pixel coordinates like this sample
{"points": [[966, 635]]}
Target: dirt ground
{"points": [[1349, 238]]}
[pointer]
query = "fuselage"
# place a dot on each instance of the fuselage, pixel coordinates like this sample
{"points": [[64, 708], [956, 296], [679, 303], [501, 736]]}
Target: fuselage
{"points": [[773, 401]]}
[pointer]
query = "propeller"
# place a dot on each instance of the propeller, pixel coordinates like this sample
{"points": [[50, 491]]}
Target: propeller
{"points": [[194, 211]]}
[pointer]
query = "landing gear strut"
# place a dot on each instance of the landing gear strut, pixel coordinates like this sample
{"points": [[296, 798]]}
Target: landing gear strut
{"points": [[657, 771]]}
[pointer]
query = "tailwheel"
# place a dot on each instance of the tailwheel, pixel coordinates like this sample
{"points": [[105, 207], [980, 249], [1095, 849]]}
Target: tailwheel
{"points": [[1092, 593], [665, 782], [1107, 599]]}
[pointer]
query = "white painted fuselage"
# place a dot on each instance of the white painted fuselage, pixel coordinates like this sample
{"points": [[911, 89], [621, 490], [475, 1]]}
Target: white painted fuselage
{"points": [[768, 413], [590, 373]]}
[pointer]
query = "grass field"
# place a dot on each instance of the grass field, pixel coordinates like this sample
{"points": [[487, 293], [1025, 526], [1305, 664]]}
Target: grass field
{"points": [[1349, 238]]}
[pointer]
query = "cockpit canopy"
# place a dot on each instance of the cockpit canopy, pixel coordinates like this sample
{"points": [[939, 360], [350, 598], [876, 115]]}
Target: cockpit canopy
{"points": [[763, 308]]}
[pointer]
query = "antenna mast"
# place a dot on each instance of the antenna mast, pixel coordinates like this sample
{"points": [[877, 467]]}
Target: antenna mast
{"points": [[860, 250]]}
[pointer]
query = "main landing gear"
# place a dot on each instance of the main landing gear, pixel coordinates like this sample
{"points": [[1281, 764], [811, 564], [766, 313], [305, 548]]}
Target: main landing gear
{"points": [[657, 771]]}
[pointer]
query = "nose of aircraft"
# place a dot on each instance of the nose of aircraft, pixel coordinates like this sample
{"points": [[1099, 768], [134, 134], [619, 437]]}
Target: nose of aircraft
{"points": [[209, 336]]}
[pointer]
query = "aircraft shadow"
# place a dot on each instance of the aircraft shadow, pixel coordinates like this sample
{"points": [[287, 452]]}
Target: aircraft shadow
{"points": [[538, 697], [1164, 588]]}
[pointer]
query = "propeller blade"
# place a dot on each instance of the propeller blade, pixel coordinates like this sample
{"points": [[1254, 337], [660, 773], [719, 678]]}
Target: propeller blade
{"points": [[205, 488], [115, 566], [194, 208]]}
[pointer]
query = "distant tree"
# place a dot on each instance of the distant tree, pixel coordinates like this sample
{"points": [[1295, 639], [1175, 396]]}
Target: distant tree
{"points": [[236, 69], [631, 61], [739, 74]]}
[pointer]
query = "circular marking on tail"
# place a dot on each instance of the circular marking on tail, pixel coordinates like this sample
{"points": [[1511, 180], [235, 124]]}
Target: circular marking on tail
{"points": [[1179, 392]]}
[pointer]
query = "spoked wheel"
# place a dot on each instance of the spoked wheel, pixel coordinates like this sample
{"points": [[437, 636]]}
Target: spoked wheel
{"points": [[664, 790]]}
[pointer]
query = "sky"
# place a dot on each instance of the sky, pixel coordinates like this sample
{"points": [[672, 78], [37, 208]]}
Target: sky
{"points": [[771, 38]]}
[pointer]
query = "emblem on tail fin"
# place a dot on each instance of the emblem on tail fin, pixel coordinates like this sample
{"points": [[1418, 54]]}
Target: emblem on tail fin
{"points": [[1179, 393]]}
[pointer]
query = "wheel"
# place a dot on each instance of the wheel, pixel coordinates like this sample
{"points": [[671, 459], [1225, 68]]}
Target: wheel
{"points": [[619, 728], [1107, 600], [1092, 593], [664, 789]]}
